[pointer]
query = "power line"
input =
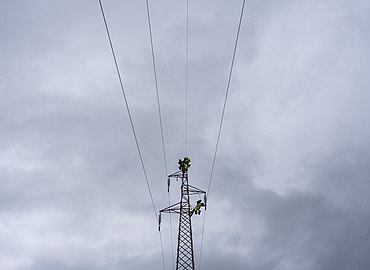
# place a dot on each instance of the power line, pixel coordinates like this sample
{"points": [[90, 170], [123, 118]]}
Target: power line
{"points": [[222, 117], [131, 121], [226, 96], [171, 235], [160, 116], [160, 238], [186, 77], [156, 85], [201, 241], [127, 107]]}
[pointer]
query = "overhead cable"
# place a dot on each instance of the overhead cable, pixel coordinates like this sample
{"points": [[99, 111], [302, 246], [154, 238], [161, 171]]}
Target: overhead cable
{"points": [[131, 122], [222, 118], [159, 113], [127, 107], [156, 86], [186, 77]]}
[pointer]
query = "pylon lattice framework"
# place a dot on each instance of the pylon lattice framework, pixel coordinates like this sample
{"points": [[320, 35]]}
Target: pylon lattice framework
{"points": [[185, 250]]}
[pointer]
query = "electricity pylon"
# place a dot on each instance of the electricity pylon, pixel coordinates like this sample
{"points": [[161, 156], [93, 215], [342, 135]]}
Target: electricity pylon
{"points": [[185, 250]]}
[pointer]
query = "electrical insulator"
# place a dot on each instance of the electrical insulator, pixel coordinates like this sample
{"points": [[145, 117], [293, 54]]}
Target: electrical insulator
{"points": [[159, 221], [205, 201]]}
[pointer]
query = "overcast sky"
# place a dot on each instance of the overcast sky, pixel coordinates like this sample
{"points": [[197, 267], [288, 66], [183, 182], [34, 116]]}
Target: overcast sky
{"points": [[291, 183]]}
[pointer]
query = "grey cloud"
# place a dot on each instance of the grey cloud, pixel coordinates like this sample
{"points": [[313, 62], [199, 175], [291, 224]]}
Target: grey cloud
{"points": [[290, 188]]}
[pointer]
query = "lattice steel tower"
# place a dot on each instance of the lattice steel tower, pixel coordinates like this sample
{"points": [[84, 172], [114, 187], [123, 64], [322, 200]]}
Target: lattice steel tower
{"points": [[185, 250]]}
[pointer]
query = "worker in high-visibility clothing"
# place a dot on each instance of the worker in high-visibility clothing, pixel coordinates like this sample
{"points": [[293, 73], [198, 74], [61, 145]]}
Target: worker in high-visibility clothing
{"points": [[196, 209], [184, 164]]}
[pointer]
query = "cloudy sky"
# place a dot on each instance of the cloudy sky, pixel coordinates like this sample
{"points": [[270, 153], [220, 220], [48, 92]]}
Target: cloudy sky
{"points": [[291, 183]]}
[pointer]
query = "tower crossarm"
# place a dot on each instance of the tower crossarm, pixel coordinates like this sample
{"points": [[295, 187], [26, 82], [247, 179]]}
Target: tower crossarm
{"points": [[176, 175], [194, 190], [175, 208]]}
